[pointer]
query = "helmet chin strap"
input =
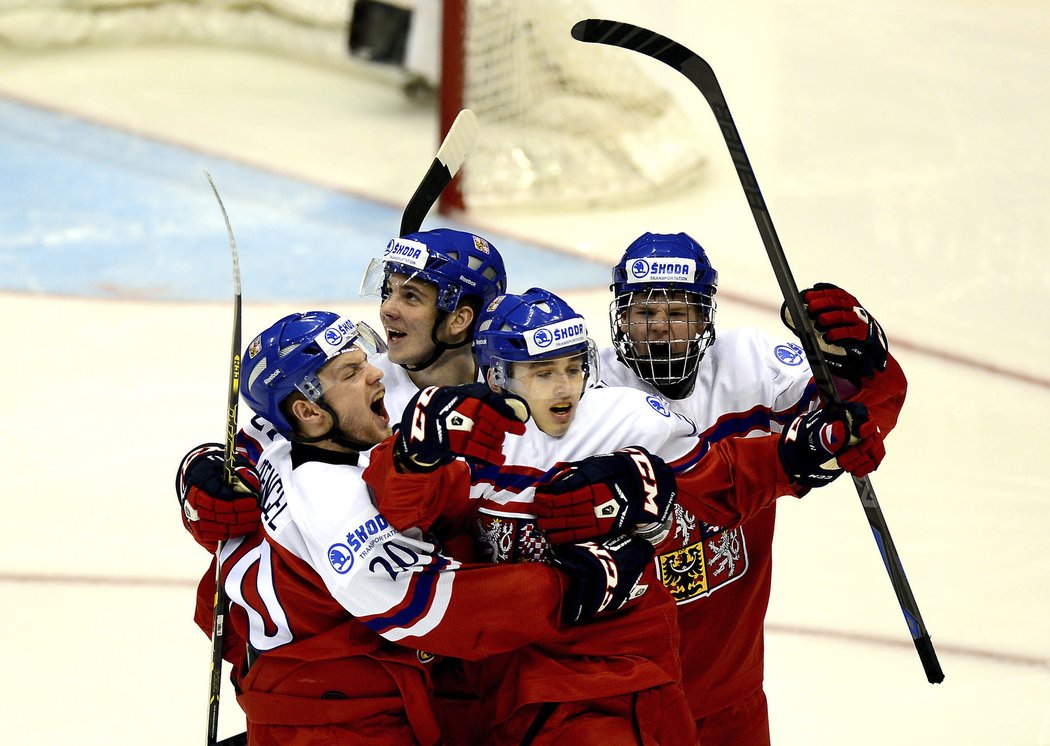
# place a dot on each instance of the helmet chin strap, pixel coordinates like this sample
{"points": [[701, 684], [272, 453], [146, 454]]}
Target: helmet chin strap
{"points": [[334, 434], [439, 347]]}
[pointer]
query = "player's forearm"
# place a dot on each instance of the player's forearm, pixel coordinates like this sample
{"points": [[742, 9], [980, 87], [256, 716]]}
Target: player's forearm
{"points": [[497, 608], [413, 500], [883, 394], [734, 480]]}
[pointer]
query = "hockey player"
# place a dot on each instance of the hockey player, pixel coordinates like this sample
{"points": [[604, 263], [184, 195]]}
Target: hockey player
{"points": [[740, 383], [333, 584], [432, 285], [534, 346]]}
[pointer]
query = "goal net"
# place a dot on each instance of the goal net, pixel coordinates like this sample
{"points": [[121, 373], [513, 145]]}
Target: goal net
{"points": [[562, 123]]}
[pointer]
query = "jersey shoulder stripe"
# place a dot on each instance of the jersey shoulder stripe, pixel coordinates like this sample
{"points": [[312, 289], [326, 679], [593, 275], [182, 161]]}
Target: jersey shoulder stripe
{"points": [[417, 603]]}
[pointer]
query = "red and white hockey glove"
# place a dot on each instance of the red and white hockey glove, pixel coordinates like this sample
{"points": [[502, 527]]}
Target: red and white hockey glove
{"points": [[854, 344], [213, 511], [443, 422], [628, 491], [603, 576], [817, 446]]}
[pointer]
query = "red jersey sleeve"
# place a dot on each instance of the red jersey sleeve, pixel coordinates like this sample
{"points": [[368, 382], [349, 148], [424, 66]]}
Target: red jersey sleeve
{"points": [[883, 394], [437, 501], [735, 479]]}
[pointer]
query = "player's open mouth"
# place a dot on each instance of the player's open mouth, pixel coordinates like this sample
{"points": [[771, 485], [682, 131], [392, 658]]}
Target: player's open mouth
{"points": [[379, 408], [561, 411], [393, 335]]}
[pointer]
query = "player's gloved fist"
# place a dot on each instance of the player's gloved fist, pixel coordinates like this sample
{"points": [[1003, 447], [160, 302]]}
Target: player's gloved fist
{"points": [[212, 510], [854, 344], [815, 448], [442, 422], [628, 491], [862, 458], [603, 576]]}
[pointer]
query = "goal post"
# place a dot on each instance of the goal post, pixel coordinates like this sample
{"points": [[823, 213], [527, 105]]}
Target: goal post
{"points": [[561, 123]]}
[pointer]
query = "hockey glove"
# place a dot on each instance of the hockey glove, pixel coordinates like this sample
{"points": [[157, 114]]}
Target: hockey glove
{"points": [[628, 491], [212, 510], [602, 576], [443, 422], [854, 344], [818, 445]]}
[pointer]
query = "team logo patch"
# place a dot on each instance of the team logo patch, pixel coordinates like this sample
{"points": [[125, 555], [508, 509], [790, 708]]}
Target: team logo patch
{"points": [[701, 568], [341, 557], [424, 657], [658, 404], [481, 244], [255, 347], [789, 354], [510, 539]]}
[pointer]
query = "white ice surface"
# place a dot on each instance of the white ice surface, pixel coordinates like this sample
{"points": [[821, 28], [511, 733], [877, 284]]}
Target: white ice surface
{"points": [[902, 149]]}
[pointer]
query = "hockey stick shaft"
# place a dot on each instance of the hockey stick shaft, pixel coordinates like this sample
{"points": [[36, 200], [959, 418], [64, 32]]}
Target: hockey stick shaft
{"points": [[229, 454], [450, 156], [700, 74]]}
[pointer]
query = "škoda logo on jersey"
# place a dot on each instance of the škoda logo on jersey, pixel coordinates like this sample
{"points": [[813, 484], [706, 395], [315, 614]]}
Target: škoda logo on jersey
{"points": [[671, 269], [407, 251], [699, 568]]}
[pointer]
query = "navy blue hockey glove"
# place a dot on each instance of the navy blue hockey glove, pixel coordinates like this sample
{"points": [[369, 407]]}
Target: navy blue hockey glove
{"points": [[603, 576], [443, 422], [854, 344], [817, 446], [212, 510], [628, 491]]}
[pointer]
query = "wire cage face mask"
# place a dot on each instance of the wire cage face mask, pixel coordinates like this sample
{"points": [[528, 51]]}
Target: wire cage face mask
{"points": [[662, 334]]}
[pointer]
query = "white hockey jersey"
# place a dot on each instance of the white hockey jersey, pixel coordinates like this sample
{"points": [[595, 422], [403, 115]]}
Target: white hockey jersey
{"points": [[749, 382], [325, 516], [608, 418]]}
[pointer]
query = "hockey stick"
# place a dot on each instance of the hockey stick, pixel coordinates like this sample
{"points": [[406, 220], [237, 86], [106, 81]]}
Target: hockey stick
{"points": [[700, 74], [450, 156], [228, 454]]}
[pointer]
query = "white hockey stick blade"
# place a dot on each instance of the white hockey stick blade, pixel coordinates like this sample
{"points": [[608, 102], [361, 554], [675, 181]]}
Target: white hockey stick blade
{"points": [[450, 157], [459, 141]]}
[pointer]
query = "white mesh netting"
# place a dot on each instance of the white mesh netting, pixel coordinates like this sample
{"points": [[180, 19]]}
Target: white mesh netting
{"points": [[562, 123]]}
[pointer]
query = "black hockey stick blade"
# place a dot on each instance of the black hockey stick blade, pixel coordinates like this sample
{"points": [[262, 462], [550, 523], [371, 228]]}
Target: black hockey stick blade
{"points": [[233, 400], [229, 452], [450, 156], [702, 76]]}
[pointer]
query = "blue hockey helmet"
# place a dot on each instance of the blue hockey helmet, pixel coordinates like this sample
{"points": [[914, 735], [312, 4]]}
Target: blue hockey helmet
{"points": [[461, 264], [536, 325], [287, 356], [656, 270]]}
